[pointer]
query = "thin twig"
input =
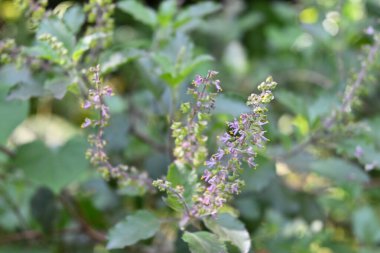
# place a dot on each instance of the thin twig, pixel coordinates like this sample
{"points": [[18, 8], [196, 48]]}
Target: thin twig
{"points": [[7, 151], [69, 203], [157, 146], [8, 199]]}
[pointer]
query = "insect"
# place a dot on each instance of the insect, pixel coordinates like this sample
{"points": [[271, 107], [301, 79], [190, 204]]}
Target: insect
{"points": [[232, 133]]}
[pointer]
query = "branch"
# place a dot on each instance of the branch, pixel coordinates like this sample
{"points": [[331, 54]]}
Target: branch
{"points": [[157, 146], [7, 151], [8, 199], [69, 203]]}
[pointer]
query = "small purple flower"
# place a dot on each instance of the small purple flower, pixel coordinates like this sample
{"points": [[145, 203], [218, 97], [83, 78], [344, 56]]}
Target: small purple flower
{"points": [[234, 126], [251, 162], [198, 80], [108, 91], [96, 98], [220, 154], [211, 188], [219, 201], [217, 86], [370, 30], [105, 111], [222, 175], [235, 188], [225, 137], [87, 104], [244, 118], [206, 175], [358, 152], [205, 200], [86, 123], [250, 150], [210, 163]]}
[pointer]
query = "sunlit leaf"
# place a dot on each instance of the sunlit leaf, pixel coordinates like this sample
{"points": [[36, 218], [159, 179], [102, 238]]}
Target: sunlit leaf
{"points": [[204, 242], [229, 228], [140, 12]]}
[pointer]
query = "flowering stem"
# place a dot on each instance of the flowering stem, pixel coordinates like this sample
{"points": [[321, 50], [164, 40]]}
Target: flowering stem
{"points": [[345, 107]]}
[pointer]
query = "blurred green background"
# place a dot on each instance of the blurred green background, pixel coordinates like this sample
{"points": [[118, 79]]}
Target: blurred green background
{"points": [[321, 198]]}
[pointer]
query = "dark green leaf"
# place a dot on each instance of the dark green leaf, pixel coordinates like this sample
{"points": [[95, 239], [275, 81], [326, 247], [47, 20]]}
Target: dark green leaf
{"points": [[204, 242], [44, 208], [139, 226], [52, 168]]}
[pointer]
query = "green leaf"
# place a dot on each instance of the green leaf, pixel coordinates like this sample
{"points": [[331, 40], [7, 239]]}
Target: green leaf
{"points": [[52, 168], [195, 11], [293, 102], [110, 61], [84, 44], [74, 18], [227, 105], [44, 208], [229, 228], [203, 242], [12, 113], [43, 51], [181, 175], [58, 29], [166, 12], [366, 225], [140, 12], [139, 226], [58, 86], [340, 170]]}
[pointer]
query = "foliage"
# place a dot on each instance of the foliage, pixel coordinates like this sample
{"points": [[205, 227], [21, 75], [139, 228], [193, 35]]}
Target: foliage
{"points": [[178, 160]]}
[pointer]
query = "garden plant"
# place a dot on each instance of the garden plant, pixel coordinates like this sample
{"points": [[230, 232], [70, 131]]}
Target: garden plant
{"points": [[189, 126]]}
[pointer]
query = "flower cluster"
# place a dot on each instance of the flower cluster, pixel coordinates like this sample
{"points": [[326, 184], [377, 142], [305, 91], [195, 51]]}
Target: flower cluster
{"points": [[8, 50], [96, 153], [99, 13], [57, 46], [189, 141], [221, 179], [35, 10]]}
